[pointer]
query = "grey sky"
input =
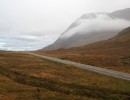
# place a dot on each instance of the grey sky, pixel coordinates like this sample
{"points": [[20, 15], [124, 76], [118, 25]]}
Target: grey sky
{"points": [[33, 24]]}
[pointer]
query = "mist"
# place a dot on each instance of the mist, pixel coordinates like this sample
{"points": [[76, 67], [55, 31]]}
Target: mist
{"points": [[34, 24], [96, 23]]}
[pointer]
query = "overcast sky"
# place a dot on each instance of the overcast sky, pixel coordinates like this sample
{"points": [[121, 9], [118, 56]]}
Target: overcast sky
{"points": [[34, 24]]}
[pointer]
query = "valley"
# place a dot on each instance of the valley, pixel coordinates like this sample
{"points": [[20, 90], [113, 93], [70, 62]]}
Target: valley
{"points": [[42, 59]]}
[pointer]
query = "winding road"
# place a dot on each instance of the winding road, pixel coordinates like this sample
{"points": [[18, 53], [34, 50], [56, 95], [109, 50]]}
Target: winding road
{"points": [[87, 67]]}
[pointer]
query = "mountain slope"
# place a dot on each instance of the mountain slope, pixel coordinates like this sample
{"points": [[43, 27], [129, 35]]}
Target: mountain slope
{"points": [[125, 14], [113, 53], [92, 27], [120, 42]]}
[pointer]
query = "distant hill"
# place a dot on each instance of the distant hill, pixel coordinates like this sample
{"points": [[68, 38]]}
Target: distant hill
{"points": [[92, 27]]}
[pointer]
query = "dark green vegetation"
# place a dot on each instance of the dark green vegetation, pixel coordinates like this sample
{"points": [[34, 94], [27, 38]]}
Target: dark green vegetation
{"points": [[25, 77]]}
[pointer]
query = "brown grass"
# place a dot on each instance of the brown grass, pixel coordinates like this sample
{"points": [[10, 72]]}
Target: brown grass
{"points": [[55, 81], [111, 54]]}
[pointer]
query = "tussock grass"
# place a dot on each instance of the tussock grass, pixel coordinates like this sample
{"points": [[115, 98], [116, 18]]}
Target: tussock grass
{"points": [[41, 78]]}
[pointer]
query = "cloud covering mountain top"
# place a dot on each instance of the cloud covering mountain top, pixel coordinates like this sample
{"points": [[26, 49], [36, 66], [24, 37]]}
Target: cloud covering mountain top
{"points": [[96, 22], [33, 24], [92, 27]]}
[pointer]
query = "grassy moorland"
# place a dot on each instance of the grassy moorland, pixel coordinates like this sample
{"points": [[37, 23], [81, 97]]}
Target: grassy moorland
{"points": [[93, 57], [112, 54], [25, 77]]}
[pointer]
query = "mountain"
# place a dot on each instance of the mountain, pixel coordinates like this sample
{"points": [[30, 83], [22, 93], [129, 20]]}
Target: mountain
{"points": [[92, 27], [120, 42], [124, 14], [112, 53]]}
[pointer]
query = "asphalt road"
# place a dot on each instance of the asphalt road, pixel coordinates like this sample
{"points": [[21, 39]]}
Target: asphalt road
{"points": [[87, 67]]}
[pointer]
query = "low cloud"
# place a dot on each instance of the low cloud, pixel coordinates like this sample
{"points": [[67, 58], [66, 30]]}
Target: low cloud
{"points": [[92, 23], [33, 24], [16, 38], [24, 42]]}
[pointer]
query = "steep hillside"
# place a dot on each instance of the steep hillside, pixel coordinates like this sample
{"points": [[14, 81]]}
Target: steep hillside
{"points": [[92, 27], [113, 53], [121, 41], [124, 15]]}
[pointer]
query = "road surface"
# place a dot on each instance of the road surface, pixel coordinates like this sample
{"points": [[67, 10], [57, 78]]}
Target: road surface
{"points": [[87, 67]]}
